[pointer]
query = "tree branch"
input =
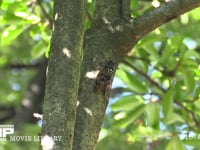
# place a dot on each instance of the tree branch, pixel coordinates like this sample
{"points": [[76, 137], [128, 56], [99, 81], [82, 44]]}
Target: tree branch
{"points": [[7, 112], [144, 75], [22, 66], [39, 2], [190, 112], [161, 15]]}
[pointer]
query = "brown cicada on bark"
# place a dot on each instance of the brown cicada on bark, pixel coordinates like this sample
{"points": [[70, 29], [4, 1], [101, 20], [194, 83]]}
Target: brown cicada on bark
{"points": [[104, 79]]}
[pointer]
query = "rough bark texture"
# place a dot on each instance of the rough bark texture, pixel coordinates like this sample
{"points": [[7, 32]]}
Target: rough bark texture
{"points": [[102, 41], [111, 35], [63, 74]]}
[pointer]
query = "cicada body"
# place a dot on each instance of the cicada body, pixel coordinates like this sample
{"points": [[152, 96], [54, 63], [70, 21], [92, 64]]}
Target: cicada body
{"points": [[104, 79]]}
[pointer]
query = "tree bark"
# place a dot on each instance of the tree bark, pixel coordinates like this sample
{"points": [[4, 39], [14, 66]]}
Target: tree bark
{"points": [[59, 110], [111, 35]]}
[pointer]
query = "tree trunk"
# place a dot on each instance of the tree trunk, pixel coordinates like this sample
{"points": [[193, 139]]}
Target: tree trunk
{"points": [[111, 35], [63, 74]]}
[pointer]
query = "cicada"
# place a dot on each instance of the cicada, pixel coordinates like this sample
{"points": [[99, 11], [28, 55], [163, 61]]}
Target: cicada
{"points": [[104, 79]]}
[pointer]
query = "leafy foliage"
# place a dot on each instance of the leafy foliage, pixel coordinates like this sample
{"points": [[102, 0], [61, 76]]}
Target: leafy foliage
{"points": [[24, 36]]}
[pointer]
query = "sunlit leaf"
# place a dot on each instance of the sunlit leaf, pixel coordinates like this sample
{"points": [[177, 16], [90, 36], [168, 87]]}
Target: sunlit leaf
{"points": [[191, 54], [173, 118], [142, 64], [189, 64], [180, 93], [197, 92], [175, 144], [189, 81], [12, 19], [195, 13], [171, 48], [153, 114], [127, 102], [131, 81], [47, 51], [130, 116], [167, 103], [38, 49], [192, 141], [10, 34], [154, 55]]}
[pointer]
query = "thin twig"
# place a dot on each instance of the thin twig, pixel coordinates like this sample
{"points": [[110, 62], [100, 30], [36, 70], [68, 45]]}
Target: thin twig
{"points": [[197, 124], [144, 75], [44, 12], [140, 59], [7, 111], [21, 66]]}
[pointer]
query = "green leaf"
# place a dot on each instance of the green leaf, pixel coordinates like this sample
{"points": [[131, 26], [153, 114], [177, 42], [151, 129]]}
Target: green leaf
{"points": [[131, 81], [154, 56], [10, 34], [38, 49], [195, 13], [197, 104], [175, 41], [12, 19], [148, 40], [143, 65], [130, 116], [167, 103], [197, 92], [47, 51], [192, 141], [191, 54], [170, 119], [128, 102], [175, 144], [134, 4], [152, 111], [189, 64], [172, 46], [180, 94], [189, 81]]}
